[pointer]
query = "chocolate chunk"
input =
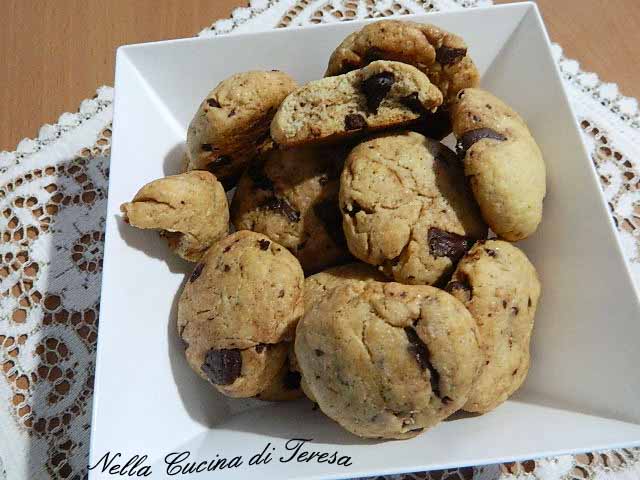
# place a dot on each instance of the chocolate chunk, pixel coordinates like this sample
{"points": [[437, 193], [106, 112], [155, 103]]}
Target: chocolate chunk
{"points": [[515, 310], [504, 304], [472, 136], [260, 180], [447, 244], [232, 113], [491, 253], [264, 244], [281, 294], [222, 367], [291, 380], [329, 213], [282, 206], [196, 272], [212, 102], [412, 102], [529, 303], [463, 286], [418, 348], [318, 352], [448, 55], [354, 121], [376, 87], [227, 268]]}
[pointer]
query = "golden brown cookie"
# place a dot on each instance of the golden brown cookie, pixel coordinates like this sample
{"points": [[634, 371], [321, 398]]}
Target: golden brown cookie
{"points": [[386, 360], [189, 209], [317, 286], [502, 162], [231, 125], [238, 310], [406, 207], [441, 55], [500, 287], [381, 95], [291, 196]]}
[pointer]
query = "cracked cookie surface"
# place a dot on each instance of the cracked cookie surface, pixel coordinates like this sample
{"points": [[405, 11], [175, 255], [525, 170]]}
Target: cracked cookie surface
{"points": [[189, 209], [502, 161], [380, 95], [238, 310], [291, 196], [406, 207], [387, 360], [232, 123], [317, 286], [499, 286], [441, 55]]}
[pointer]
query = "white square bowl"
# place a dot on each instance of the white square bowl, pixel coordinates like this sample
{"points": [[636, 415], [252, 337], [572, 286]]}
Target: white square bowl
{"points": [[583, 389]]}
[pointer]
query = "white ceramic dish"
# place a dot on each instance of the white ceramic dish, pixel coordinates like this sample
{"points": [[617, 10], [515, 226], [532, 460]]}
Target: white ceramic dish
{"points": [[583, 388]]}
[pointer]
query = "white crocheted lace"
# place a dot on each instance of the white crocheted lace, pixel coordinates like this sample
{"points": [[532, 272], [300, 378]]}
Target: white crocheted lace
{"points": [[53, 192]]}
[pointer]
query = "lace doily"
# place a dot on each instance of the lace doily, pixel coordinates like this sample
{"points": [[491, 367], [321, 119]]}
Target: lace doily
{"points": [[52, 212]]}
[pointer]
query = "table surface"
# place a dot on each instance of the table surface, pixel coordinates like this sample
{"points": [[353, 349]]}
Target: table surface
{"points": [[54, 54]]}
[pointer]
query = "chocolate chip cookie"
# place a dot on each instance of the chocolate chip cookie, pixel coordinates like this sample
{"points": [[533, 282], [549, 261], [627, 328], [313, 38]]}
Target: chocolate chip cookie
{"points": [[232, 124], [406, 207], [317, 286], [500, 287], [238, 310], [381, 95], [441, 55], [387, 360], [189, 209], [292, 197], [502, 162]]}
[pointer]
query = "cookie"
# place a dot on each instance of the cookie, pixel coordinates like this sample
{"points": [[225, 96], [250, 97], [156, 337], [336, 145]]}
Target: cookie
{"points": [[189, 209], [317, 286], [441, 55], [285, 385], [502, 162], [291, 196], [386, 360], [381, 95], [500, 287], [231, 125], [238, 310], [406, 207]]}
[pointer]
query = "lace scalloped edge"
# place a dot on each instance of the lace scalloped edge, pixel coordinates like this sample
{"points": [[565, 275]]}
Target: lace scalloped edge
{"points": [[238, 16], [242, 15], [606, 94], [88, 109]]}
